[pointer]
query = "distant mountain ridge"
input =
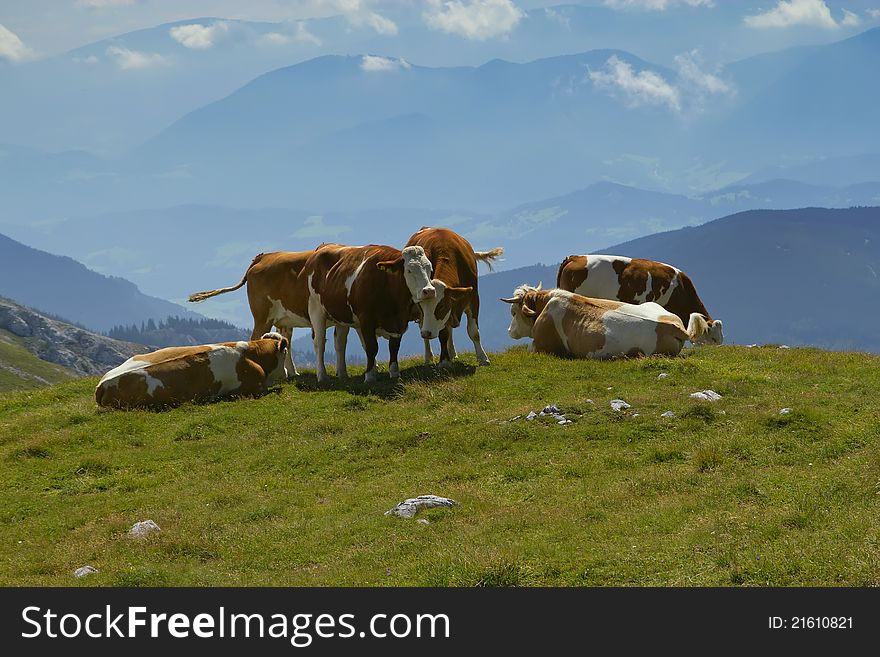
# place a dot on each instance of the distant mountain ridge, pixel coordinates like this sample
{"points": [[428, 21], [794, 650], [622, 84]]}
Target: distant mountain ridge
{"points": [[64, 287]]}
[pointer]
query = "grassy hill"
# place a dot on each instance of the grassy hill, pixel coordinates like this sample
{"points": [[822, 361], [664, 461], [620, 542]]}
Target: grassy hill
{"points": [[290, 489], [20, 369]]}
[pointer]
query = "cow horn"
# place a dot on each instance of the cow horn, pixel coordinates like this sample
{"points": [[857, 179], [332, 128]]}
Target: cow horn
{"points": [[528, 312], [540, 285], [511, 300]]}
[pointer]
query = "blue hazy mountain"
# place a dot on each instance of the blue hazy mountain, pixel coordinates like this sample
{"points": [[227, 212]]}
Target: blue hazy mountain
{"points": [[63, 287]]}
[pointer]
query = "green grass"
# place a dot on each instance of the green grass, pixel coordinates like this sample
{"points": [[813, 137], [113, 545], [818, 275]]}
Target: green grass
{"points": [[290, 489], [21, 370]]}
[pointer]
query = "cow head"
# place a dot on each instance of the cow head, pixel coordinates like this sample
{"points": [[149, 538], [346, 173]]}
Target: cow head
{"points": [[279, 373], [523, 311], [417, 270], [715, 334], [437, 309]]}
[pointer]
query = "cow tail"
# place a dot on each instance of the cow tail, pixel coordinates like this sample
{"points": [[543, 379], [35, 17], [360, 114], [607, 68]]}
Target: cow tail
{"points": [[201, 296], [489, 256], [697, 327], [561, 269]]}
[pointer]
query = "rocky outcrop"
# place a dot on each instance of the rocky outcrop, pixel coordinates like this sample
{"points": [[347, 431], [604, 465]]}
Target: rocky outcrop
{"points": [[82, 352]]}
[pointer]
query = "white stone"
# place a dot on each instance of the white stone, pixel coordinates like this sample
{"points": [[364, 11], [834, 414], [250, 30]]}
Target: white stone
{"points": [[707, 395], [784, 346], [784, 411], [589, 401], [636, 414], [619, 404], [667, 414], [662, 375], [143, 528], [84, 570], [410, 507], [532, 415], [423, 521]]}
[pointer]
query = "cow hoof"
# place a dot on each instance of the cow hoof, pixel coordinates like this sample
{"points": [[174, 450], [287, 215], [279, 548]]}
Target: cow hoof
{"points": [[446, 364], [370, 377], [394, 371], [485, 361]]}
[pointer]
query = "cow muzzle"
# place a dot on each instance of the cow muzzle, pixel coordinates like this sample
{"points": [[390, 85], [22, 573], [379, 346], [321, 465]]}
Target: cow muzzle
{"points": [[427, 335], [428, 292]]}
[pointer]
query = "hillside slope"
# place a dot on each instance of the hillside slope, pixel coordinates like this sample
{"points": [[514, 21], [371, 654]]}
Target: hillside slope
{"points": [[290, 489], [20, 369], [76, 350]]}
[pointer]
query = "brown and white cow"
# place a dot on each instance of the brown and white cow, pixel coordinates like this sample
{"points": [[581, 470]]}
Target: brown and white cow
{"points": [[634, 280], [366, 288], [179, 374], [273, 295], [454, 278], [570, 325]]}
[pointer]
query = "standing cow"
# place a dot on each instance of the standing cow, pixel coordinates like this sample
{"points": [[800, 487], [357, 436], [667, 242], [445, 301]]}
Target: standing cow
{"points": [[636, 281], [570, 325], [274, 296], [179, 374], [364, 287], [454, 278]]}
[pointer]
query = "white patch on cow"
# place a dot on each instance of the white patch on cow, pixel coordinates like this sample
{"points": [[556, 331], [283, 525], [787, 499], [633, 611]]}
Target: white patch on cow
{"points": [[632, 327], [153, 383], [223, 361], [429, 322], [284, 318], [556, 310], [241, 345], [131, 365], [601, 278], [351, 278]]}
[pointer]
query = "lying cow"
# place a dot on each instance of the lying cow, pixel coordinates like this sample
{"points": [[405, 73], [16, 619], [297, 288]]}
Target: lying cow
{"points": [[363, 287], [570, 325], [180, 374], [273, 295], [453, 262], [636, 281]]}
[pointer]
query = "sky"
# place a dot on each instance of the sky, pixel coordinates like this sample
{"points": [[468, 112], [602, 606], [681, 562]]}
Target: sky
{"points": [[32, 29]]}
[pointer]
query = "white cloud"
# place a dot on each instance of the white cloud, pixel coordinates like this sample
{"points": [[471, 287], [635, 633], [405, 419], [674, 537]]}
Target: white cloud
{"points": [[359, 14], [11, 47], [296, 32], [477, 20], [874, 13], [134, 59], [200, 37], [103, 4], [786, 13], [850, 19], [690, 74], [373, 64], [637, 88], [656, 5], [687, 94]]}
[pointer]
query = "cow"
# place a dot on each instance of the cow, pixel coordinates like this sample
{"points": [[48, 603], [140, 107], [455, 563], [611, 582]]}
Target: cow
{"points": [[634, 280], [201, 373], [453, 263], [573, 326], [366, 288], [273, 295]]}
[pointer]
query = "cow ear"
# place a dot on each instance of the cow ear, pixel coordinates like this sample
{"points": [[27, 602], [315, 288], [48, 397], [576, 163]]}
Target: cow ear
{"points": [[284, 346], [390, 265]]}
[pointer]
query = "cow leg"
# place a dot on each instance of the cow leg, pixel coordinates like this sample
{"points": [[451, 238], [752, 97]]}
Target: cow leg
{"points": [[340, 341], [473, 329], [429, 355], [450, 347], [445, 361], [371, 349], [319, 335], [289, 365], [393, 350]]}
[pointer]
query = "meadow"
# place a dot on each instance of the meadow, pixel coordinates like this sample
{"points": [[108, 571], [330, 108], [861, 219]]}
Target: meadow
{"points": [[291, 488]]}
